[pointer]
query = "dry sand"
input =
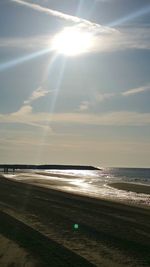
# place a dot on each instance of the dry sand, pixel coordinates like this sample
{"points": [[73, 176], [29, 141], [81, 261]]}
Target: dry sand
{"points": [[41, 222], [11, 255]]}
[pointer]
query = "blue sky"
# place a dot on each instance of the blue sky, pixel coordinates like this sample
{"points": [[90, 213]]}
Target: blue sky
{"points": [[91, 108]]}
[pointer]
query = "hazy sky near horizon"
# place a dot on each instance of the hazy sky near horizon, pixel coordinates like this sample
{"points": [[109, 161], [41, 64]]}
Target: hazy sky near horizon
{"points": [[91, 108]]}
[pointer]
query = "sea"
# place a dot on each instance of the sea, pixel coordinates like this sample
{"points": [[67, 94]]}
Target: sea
{"points": [[92, 183]]}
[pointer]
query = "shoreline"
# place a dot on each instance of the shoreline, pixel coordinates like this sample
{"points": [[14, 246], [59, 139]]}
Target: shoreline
{"points": [[137, 188], [113, 194], [62, 183]]}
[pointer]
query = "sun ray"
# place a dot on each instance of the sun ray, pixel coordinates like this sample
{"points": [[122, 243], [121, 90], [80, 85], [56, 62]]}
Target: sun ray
{"points": [[52, 107], [12, 63], [138, 13]]}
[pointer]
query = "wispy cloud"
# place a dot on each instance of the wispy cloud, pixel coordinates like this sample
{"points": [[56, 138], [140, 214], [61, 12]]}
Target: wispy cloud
{"points": [[80, 23], [23, 111], [113, 118], [97, 98], [100, 97], [103, 96], [38, 93], [33, 42], [134, 38], [61, 15], [136, 90], [84, 105], [105, 38], [25, 116], [48, 11], [42, 119]]}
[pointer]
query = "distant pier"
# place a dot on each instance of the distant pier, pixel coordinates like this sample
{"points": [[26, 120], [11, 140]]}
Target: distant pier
{"points": [[13, 167]]}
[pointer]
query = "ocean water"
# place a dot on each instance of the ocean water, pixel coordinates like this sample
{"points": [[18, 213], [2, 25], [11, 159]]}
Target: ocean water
{"points": [[94, 183]]}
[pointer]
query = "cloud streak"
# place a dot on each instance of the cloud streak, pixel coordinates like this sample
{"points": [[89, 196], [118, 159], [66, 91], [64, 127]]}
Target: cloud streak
{"points": [[41, 119], [104, 38], [48, 11], [109, 35], [136, 90], [84, 105], [74, 19], [38, 93], [25, 116], [100, 97], [33, 42]]}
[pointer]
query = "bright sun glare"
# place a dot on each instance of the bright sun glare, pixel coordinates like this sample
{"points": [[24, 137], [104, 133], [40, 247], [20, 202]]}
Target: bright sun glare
{"points": [[71, 41]]}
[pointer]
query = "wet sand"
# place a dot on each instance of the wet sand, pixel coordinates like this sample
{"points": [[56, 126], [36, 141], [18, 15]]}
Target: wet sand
{"points": [[41, 220], [137, 188]]}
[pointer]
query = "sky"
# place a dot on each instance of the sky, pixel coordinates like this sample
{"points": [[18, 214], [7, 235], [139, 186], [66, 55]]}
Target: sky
{"points": [[75, 82]]}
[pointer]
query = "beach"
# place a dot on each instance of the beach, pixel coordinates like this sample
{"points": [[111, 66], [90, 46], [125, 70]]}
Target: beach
{"points": [[42, 222], [137, 188]]}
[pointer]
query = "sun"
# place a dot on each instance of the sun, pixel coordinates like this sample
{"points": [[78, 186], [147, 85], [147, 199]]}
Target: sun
{"points": [[72, 41]]}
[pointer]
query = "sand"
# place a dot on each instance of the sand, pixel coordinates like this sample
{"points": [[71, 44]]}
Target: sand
{"points": [[137, 188], [41, 220], [11, 254]]}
